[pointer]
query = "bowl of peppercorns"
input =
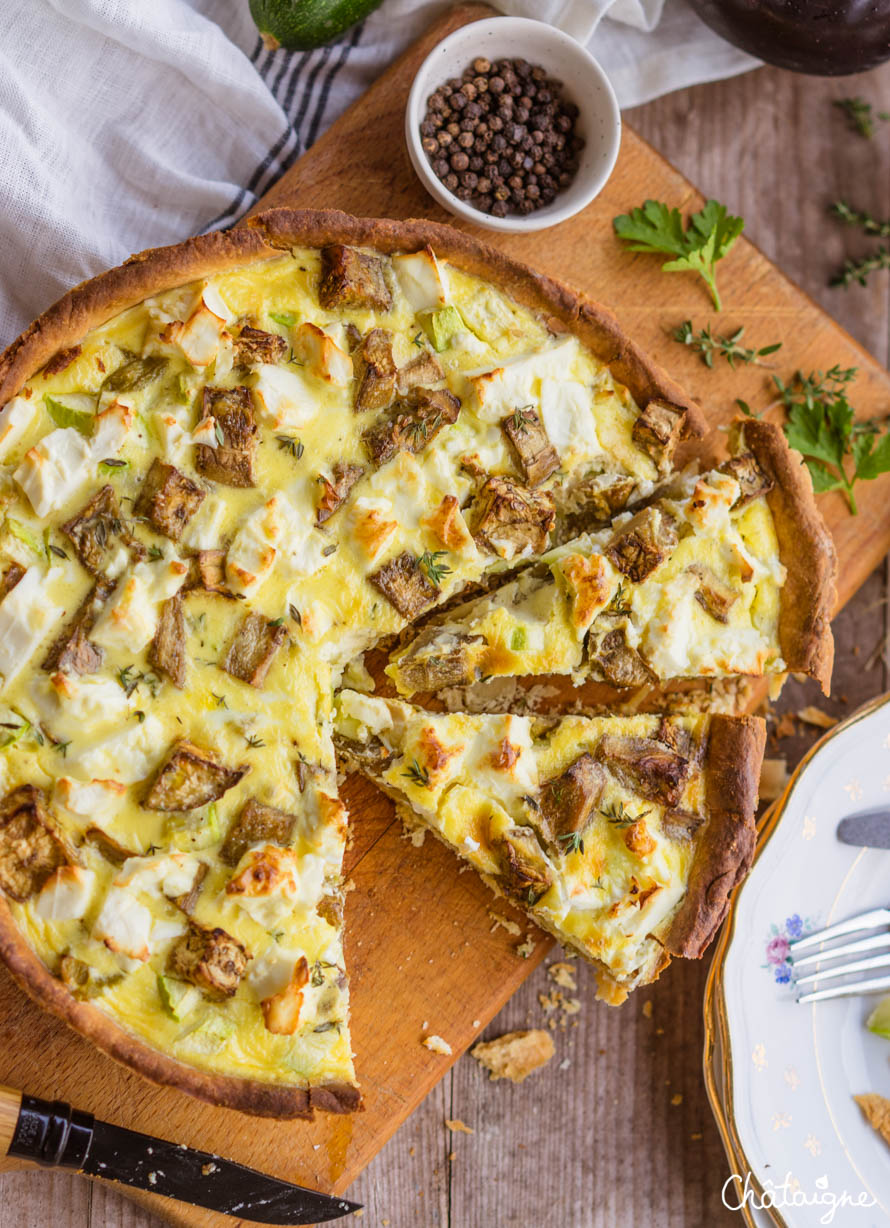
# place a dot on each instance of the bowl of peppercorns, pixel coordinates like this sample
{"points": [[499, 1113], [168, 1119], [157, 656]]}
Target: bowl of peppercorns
{"points": [[512, 125]]}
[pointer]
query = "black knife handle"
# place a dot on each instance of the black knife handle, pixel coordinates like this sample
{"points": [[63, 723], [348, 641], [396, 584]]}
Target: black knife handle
{"points": [[52, 1133]]}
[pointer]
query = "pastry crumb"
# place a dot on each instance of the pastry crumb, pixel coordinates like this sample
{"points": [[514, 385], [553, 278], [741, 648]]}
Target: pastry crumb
{"points": [[436, 1044], [563, 974], [456, 1126], [504, 922], [647, 1009], [811, 715], [515, 1055], [773, 779], [877, 1113], [676, 1099], [524, 949]]}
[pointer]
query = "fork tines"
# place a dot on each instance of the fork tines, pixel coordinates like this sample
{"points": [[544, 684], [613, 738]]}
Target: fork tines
{"points": [[871, 963]]}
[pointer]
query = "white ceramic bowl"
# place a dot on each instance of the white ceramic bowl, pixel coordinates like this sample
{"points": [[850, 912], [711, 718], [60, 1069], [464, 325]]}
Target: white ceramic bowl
{"points": [[506, 38]]}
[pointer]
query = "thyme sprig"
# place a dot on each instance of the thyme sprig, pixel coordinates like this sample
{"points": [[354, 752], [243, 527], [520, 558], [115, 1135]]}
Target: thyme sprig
{"points": [[861, 218], [417, 774], [860, 115], [860, 270], [619, 816], [709, 344], [291, 445], [430, 565]]}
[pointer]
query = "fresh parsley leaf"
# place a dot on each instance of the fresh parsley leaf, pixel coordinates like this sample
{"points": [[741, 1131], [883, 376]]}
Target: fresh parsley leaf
{"points": [[822, 426], [710, 234]]}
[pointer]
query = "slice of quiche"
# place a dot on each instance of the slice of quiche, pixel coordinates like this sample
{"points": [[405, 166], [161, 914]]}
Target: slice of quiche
{"points": [[225, 469], [621, 836], [714, 576]]}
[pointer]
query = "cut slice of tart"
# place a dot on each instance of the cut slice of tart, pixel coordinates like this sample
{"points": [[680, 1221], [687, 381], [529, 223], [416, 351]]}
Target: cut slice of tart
{"points": [[727, 573], [622, 836]]}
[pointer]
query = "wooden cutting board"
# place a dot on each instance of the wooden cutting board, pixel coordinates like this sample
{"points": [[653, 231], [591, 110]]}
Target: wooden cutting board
{"points": [[420, 946]]}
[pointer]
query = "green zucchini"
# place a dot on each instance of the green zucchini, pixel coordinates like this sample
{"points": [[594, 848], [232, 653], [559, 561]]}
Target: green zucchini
{"points": [[301, 25]]}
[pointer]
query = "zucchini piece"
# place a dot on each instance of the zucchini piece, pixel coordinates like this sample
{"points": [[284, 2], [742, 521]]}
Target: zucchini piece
{"points": [[177, 998]]}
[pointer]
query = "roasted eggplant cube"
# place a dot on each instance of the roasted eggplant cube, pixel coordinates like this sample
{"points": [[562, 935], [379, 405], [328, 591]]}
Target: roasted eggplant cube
{"points": [[94, 529], [187, 902], [188, 778], [253, 346], [253, 649], [567, 802], [31, 849], [412, 426], [73, 652], [207, 572], [256, 824], [423, 370], [375, 371], [658, 431], [335, 491], [230, 461], [167, 652], [512, 520], [647, 766], [429, 664], [525, 870], [619, 663], [209, 958], [712, 594], [10, 578], [643, 543], [753, 481], [168, 499], [352, 280], [534, 453], [404, 585]]}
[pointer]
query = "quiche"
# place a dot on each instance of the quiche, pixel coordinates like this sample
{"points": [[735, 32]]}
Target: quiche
{"points": [[707, 579], [227, 469], [621, 836]]}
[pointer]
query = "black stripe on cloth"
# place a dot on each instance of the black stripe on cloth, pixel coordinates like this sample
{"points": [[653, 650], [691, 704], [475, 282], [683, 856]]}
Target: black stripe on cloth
{"points": [[292, 143], [345, 48]]}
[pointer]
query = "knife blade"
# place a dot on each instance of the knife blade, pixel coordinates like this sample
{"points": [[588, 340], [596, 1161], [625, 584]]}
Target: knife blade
{"points": [[870, 829], [54, 1134]]}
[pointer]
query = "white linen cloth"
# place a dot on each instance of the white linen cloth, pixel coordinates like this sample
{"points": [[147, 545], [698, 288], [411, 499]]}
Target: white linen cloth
{"points": [[126, 124]]}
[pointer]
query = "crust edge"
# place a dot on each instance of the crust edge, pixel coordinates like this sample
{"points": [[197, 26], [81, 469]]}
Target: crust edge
{"points": [[91, 303], [806, 550], [726, 850], [246, 1095]]}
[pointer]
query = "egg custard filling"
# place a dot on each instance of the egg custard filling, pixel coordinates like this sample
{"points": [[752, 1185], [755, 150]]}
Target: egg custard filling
{"points": [[610, 832], [214, 498]]}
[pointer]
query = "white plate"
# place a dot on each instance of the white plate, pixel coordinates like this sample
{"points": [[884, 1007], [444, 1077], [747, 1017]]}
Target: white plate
{"points": [[791, 1071]]}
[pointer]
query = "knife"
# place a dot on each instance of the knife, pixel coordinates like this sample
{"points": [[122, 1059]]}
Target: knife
{"points": [[53, 1134], [870, 829]]}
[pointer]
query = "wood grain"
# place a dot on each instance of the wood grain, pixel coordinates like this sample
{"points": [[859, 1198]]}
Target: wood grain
{"points": [[605, 1142]]}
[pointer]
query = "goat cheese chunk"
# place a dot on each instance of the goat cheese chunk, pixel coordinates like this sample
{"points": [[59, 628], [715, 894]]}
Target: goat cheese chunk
{"points": [[55, 469], [27, 617]]}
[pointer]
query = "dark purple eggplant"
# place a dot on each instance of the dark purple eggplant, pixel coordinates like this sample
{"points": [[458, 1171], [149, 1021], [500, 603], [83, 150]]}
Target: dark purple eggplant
{"points": [[826, 38]]}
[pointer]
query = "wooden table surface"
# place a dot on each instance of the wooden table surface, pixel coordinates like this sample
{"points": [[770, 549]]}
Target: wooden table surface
{"points": [[616, 1130]]}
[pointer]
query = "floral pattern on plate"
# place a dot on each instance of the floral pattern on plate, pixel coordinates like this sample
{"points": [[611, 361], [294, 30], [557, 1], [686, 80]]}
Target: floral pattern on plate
{"points": [[778, 946]]}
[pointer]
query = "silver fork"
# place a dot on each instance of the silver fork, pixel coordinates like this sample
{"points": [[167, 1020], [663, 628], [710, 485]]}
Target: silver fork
{"points": [[874, 919]]}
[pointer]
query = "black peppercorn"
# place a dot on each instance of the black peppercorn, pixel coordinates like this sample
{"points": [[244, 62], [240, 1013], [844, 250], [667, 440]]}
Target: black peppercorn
{"points": [[501, 136]]}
